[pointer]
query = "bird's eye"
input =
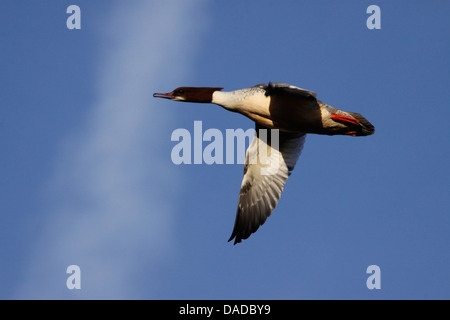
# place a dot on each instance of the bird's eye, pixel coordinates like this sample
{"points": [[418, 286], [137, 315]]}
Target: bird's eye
{"points": [[181, 91]]}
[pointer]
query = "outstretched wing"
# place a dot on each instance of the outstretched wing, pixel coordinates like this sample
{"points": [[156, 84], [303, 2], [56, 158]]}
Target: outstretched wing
{"points": [[267, 167]]}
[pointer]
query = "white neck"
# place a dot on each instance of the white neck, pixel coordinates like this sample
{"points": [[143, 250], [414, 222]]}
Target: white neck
{"points": [[251, 102], [225, 99]]}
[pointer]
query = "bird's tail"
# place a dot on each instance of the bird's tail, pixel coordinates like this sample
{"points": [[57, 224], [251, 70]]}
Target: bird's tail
{"points": [[363, 127], [351, 123]]}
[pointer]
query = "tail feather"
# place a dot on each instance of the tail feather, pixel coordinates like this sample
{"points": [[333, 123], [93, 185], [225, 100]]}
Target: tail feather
{"points": [[362, 128], [365, 128]]}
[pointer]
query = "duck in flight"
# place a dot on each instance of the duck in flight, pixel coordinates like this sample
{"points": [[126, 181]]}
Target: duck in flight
{"points": [[295, 112]]}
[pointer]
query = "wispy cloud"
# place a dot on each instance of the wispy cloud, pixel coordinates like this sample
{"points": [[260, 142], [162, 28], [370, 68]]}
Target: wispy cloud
{"points": [[109, 212]]}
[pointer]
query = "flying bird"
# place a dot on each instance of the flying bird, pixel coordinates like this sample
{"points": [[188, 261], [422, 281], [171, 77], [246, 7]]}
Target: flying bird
{"points": [[295, 112]]}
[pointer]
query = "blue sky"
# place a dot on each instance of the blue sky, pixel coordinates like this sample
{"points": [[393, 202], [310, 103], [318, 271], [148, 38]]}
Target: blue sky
{"points": [[87, 179]]}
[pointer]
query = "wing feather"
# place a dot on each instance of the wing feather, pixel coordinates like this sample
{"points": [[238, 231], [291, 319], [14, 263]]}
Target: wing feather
{"points": [[280, 87], [260, 192]]}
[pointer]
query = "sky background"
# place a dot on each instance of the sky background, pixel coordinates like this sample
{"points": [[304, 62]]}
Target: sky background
{"points": [[86, 176]]}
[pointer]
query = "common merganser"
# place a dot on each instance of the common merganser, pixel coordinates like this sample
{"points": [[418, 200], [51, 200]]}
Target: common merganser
{"points": [[294, 112]]}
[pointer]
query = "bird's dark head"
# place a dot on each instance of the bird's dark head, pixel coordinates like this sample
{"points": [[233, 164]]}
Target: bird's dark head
{"points": [[189, 94]]}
